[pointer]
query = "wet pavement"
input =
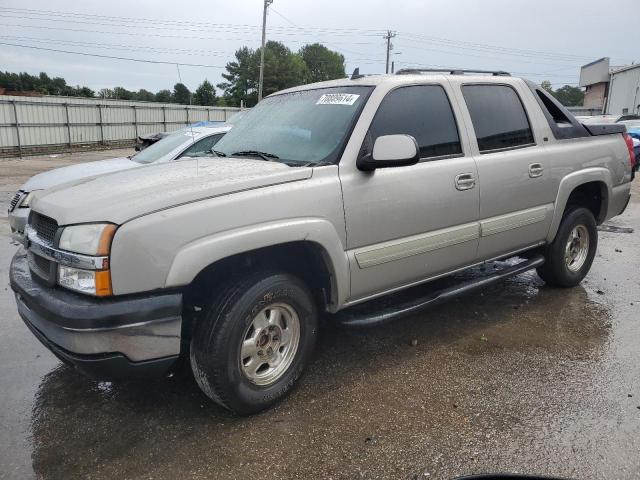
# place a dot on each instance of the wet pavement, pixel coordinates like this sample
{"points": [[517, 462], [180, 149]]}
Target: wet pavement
{"points": [[518, 377]]}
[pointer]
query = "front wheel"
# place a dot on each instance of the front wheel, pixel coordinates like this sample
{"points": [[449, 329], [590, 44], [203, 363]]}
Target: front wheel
{"points": [[254, 341], [570, 255]]}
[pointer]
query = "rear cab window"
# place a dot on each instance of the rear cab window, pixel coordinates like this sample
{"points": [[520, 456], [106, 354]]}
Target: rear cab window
{"points": [[498, 116], [425, 113], [562, 123]]}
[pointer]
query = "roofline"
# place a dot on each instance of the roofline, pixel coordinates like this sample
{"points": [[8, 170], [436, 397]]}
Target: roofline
{"points": [[624, 69], [595, 61], [378, 79]]}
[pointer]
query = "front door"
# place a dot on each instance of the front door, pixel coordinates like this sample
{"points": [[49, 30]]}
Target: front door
{"points": [[406, 224]]}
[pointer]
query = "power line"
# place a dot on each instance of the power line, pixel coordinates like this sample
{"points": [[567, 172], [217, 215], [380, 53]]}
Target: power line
{"points": [[220, 29], [46, 15], [137, 21], [158, 50], [463, 54], [143, 34], [112, 56], [330, 44]]}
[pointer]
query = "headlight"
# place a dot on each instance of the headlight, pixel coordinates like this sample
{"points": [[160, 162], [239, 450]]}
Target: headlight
{"points": [[90, 239], [26, 201], [92, 282], [94, 240]]}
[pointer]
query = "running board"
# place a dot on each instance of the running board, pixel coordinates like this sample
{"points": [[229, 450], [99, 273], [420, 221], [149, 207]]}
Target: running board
{"points": [[359, 318]]}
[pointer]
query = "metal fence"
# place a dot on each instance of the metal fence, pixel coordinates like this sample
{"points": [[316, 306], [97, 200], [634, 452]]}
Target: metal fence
{"points": [[31, 125]]}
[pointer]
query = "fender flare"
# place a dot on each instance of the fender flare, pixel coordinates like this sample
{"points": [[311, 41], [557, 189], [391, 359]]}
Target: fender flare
{"points": [[569, 183], [194, 257]]}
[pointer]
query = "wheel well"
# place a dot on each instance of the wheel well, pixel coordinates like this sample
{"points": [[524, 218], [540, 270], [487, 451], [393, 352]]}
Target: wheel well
{"points": [[591, 195], [306, 260]]}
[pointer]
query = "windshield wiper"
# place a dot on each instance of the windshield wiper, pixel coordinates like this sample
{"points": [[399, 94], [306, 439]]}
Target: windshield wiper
{"points": [[268, 157], [219, 153]]}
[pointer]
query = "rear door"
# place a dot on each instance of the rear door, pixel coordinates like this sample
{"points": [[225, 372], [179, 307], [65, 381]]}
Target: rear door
{"points": [[406, 224], [516, 193]]}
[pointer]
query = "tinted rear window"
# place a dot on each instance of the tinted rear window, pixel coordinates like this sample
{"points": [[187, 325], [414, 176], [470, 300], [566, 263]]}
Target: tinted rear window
{"points": [[498, 117], [422, 111]]}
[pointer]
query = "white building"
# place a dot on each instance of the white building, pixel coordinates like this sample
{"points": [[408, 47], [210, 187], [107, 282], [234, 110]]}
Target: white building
{"points": [[613, 90], [624, 91]]}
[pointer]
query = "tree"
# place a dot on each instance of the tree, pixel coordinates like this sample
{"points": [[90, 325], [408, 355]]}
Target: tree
{"points": [[163, 96], [84, 92], [570, 96], [241, 78], [282, 69], [57, 86], [205, 94], [322, 63], [181, 94], [105, 93], [121, 93], [145, 95]]}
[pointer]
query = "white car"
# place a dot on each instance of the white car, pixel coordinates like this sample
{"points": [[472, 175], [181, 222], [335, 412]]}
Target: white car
{"points": [[187, 142]]}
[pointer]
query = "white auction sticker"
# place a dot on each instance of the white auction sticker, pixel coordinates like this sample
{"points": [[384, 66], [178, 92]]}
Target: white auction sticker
{"points": [[337, 99]]}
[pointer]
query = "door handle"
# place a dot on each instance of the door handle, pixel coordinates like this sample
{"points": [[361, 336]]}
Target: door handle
{"points": [[465, 181], [535, 170]]}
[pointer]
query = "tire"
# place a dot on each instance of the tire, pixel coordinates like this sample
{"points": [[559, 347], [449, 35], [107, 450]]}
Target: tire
{"points": [[577, 225], [259, 312]]}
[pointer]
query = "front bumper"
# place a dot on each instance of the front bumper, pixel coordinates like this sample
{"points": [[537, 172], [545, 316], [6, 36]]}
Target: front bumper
{"points": [[115, 338]]}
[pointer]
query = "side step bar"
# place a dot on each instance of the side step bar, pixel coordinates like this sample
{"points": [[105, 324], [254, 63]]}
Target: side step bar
{"points": [[359, 318]]}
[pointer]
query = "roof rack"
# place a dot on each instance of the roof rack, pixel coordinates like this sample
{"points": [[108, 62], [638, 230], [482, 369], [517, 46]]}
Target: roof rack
{"points": [[451, 71]]}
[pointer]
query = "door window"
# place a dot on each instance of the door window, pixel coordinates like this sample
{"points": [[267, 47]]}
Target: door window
{"points": [[498, 117], [422, 111], [202, 147]]}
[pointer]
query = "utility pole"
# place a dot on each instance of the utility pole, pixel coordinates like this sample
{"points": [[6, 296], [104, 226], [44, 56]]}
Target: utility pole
{"points": [[389, 35], [264, 36]]}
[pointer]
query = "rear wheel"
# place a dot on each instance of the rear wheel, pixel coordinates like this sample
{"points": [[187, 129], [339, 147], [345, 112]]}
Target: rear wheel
{"points": [[570, 255], [254, 341]]}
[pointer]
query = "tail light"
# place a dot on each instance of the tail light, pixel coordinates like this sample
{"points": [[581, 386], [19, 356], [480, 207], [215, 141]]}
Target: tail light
{"points": [[632, 155]]}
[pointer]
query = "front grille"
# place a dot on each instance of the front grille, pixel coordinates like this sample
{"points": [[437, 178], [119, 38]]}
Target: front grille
{"points": [[14, 201], [45, 227]]}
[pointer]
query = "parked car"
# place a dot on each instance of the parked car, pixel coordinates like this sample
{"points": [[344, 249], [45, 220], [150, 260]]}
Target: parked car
{"points": [[634, 133], [609, 118], [324, 197], [144, 141], [187, 142]]}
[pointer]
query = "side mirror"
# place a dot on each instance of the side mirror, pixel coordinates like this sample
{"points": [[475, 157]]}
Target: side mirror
{"points": [[391, 151]]}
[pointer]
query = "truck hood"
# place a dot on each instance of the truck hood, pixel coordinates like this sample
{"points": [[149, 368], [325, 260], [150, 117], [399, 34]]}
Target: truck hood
{"points": [[121, 196], [62, 175]]}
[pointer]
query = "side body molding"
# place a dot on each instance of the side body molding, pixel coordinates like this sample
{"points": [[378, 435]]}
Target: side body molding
{"points": [[569, 183], [195, 256]]}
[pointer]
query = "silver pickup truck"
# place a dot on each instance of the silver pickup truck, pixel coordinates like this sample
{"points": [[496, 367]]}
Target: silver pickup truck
{"points": [[323, 197]]}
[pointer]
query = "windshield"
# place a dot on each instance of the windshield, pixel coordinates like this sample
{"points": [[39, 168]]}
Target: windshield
{"points": [[306, 127], [159, 149]]}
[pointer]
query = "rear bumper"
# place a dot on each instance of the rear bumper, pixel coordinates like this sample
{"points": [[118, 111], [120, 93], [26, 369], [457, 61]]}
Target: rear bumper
{"points": [[116, 338], [620, 196]]}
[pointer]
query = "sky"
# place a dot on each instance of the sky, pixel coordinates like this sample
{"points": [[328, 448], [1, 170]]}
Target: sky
{"points": [[542, 40]]}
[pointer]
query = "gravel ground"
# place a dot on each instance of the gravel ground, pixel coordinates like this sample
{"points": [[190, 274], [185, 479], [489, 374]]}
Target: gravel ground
{"points": [[515, 378]]}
